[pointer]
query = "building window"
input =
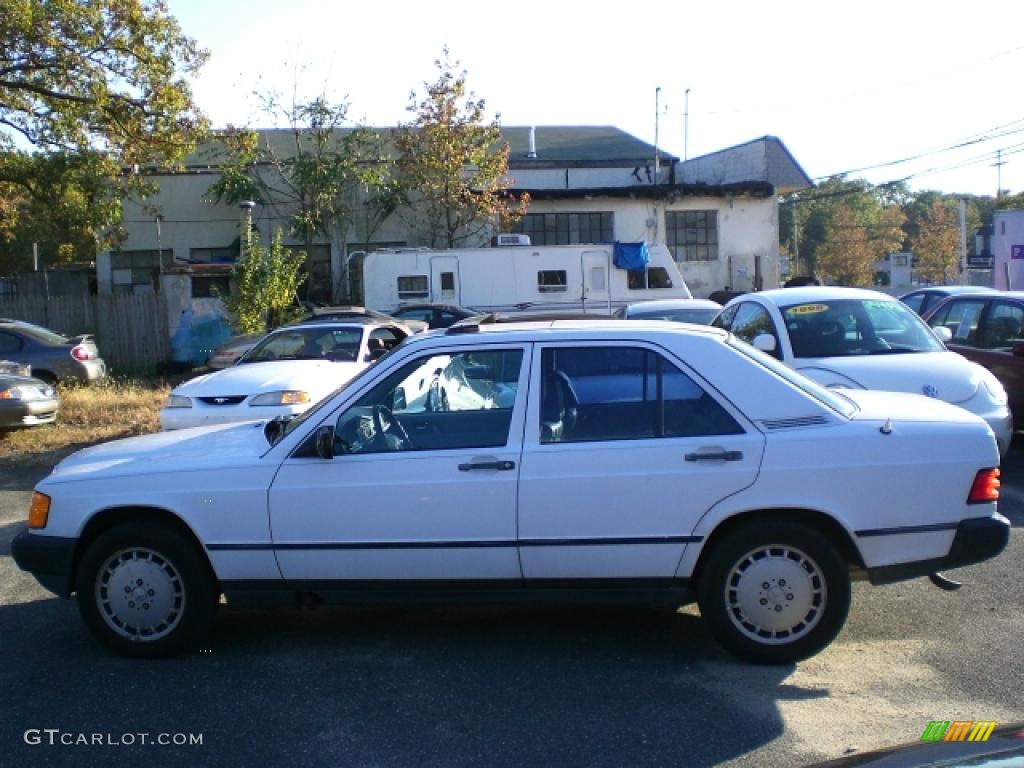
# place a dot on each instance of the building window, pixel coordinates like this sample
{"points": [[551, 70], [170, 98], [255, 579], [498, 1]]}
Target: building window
{"points": [[138, 271], [413, 287], [692, 235], [210, 286], [567, 228], [652, 277], [226, 255], [317, 284], [552, 281]]}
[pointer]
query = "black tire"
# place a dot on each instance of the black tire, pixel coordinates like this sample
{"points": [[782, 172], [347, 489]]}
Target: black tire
{"points": [[146, 590], [775, 592]]}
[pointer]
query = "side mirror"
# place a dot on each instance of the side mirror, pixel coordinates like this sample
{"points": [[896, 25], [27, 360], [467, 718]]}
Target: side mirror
{"points": [[325, 442], [398, 402], [942, 333], [765, 342]]}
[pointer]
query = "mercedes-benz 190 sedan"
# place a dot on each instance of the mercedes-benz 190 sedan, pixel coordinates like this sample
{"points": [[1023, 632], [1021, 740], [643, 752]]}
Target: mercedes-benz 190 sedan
{"points": [[639, 460]]}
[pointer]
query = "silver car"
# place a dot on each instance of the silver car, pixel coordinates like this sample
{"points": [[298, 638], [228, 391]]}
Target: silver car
{"points": [[53, 356]]}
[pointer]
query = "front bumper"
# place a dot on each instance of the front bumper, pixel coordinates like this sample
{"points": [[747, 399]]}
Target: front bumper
{"points": [[49, 558], [27, 413], [976, 540]]}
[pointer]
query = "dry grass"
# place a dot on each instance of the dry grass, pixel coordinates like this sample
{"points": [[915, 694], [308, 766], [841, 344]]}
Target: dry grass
{"points": [[88, 415]]}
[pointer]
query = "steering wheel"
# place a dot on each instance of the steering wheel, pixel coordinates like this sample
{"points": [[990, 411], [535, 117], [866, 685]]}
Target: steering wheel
{"points": [[385, 423]]}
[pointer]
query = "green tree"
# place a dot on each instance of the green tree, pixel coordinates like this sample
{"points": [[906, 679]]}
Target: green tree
{"points": [[452, 164], [936, 244], [328, 177], [94, 88], [266, 281]]}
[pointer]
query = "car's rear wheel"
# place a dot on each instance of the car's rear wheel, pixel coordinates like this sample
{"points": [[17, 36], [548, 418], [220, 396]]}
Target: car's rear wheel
{"points": [[144, 589], [775, 592]]}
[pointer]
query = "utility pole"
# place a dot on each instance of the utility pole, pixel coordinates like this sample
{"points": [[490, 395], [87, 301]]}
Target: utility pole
{"points": [[998, 165], [963, 241], [686, 124], [657, 118]]}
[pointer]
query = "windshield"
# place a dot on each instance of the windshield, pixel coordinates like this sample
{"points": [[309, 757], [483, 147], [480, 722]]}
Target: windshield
{"points": [[850, 327], [308, 343], [828, 397]]}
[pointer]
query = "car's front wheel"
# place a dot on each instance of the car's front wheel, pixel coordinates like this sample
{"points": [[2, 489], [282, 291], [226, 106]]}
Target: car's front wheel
{"points": [[775, 592], [145, 590]]}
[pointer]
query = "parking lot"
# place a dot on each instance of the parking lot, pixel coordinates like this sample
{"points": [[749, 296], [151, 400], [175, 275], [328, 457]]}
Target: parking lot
{"points": [[496, 685]]}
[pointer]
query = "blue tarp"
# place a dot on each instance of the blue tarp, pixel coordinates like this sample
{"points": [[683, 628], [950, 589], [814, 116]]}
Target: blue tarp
{"points": [[630, 255]]}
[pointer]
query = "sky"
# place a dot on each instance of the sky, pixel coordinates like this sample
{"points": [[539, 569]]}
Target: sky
{"points": [[848, 87]]}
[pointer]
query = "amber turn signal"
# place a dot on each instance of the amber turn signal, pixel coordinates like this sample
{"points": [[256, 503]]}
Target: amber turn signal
{"points": [[39, 510]]}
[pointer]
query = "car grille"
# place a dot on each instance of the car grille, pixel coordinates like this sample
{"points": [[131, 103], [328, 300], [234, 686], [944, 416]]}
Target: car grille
{"points": [[222, 400]]}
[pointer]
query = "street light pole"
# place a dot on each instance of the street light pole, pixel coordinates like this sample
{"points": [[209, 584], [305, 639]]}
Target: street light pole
{"points": [[686, 124], [247, 206]]}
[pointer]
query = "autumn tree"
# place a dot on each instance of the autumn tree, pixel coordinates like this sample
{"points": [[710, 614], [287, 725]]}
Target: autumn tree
{"points": [[453, 163], [936, 246], [328, 177], [266, 281], [94, 88]]}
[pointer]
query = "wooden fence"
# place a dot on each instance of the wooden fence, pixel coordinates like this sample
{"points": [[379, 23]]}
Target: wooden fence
{"points": [[131, 330]]}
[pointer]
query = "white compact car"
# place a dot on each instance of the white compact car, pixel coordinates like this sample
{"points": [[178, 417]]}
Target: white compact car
{"points": [[859, 339], [625, 459], [283, 375]]}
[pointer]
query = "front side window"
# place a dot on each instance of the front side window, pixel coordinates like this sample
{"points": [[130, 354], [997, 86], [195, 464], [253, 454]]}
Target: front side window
{"points": [[623, 393], [436, 402], [413, 287], [308, 343], [752, 320], [962, 318]]}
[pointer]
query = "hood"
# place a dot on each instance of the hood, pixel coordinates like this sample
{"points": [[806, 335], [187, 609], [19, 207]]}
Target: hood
{"points": [[942, 375], [314, 376], [180, 450], [907, 407]]}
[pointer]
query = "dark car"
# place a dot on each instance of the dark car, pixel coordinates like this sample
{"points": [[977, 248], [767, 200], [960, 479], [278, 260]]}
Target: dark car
{"points": [[53, 356], [924, 299], [26, 402], [988, 328], [414, 325], [434, 315]]}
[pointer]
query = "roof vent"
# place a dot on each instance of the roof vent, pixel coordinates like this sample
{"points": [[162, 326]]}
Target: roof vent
{"points": [[532, 153], [510, 239]]}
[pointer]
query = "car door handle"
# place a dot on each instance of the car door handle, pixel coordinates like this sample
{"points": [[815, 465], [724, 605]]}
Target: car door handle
{"points": [[716, 456], [499, 465]]}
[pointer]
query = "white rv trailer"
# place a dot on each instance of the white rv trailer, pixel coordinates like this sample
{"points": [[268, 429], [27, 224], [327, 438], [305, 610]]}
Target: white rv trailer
{"points": [[522, 278]]}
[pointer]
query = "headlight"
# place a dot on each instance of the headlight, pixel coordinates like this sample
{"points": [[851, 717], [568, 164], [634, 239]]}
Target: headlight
{"points": [[287, 397], [178, 401], [25, 393], [995, 389]]}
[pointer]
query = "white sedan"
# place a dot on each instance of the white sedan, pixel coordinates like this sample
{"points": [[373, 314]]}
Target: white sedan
{"points": [[283, 375], [860, 339], [633, 460]]}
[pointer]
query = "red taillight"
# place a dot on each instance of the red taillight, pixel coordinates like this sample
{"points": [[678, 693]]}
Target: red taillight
{"points": [[985, 488], [80, 353]]}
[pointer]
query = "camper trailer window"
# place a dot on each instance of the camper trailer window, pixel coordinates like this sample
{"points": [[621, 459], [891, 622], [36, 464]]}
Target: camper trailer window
{"points": [[413, 287], [654, 277], [447, 284], [552, 281]]}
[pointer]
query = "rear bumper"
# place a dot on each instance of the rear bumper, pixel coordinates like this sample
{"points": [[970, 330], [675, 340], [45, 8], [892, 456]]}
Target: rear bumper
{"points": [[976, 540], [49, 558]]}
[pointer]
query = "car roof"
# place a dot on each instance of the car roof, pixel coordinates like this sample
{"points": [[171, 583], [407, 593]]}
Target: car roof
{"points": [[655, 304], [787, 296], [950, 290], [608, 329]]}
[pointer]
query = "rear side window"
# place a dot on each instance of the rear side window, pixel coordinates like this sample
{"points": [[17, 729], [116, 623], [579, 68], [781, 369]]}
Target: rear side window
{"points": [[9, 343], [623, 393]]}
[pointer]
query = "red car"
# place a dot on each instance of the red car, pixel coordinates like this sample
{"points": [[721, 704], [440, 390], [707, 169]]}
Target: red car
{"points": [[988, 328]]}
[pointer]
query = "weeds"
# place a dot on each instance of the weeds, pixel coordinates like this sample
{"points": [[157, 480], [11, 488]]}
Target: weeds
{"points": [[89, 414]]}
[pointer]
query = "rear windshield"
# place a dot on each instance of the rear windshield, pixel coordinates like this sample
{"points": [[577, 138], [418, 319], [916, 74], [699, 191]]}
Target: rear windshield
{"points": [[44, 335]]}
